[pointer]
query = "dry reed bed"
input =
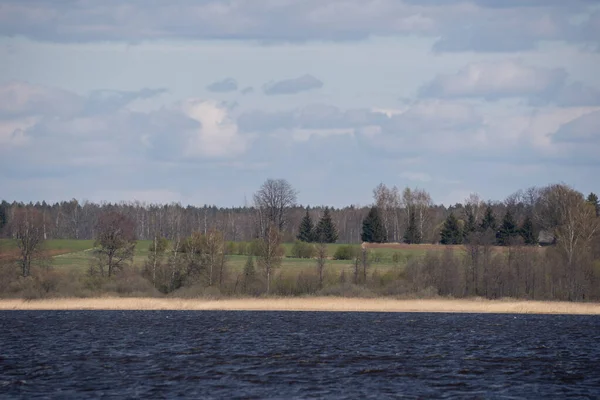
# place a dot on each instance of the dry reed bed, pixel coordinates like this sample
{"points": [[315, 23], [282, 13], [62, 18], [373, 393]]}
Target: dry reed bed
{"points": [[308, 304]]}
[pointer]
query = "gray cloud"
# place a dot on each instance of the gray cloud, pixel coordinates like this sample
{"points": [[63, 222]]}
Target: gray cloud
{"points": [[22, 99], [108, 101], [247, 90], [493, 25], [576, 94], [226, 85], [505, 3], [428, 126], [583, 130], [292, 86], [511, 79], [314, 116], [494, 80]]}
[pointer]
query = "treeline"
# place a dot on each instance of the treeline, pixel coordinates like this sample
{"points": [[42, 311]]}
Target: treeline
{"points": [[408, 216], [197, 259]]}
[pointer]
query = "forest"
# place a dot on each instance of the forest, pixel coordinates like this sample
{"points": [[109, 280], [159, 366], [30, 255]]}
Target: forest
{"points": [[538, 243]]}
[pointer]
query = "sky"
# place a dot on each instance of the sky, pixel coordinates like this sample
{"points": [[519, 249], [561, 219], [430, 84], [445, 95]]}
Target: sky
{"points": [[199, 102]]}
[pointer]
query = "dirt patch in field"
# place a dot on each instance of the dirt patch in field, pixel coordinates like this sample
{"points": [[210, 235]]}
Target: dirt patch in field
{"points": [[435, 247], [405, 246]]}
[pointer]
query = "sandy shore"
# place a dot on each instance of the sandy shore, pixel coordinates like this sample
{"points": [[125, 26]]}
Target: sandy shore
{"points": [[308, 304]]}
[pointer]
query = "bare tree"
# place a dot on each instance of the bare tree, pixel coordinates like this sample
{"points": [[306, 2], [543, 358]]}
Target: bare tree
{"points": [[270, 253], [321, 261], [214, 256], [154, 266], [28, 228], [573, 222], [364, 258], [115, 242], [273, 201]]}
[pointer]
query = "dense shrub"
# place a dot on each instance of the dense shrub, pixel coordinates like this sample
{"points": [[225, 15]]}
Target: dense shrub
{"points": [[231, 248], [242, 249], [253, 247], [346, 290], [303, 250], [346, 252], [198, 291]]}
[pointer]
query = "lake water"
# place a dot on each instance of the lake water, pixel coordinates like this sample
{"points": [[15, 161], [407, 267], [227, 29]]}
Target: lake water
{"points": [[230, 354]]}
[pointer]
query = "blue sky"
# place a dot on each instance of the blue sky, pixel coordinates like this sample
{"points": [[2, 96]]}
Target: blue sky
{"points": [[201, 101]]}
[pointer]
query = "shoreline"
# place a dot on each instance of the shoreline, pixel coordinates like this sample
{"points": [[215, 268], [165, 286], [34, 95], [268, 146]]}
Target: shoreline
{"points": [[322, 304]]}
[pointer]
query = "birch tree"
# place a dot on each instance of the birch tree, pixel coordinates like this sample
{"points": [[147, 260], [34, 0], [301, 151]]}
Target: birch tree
{"points": [[270, 253]]}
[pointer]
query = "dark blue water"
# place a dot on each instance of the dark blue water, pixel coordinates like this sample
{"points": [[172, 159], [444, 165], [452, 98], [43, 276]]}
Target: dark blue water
{"points": [[189, 354]]}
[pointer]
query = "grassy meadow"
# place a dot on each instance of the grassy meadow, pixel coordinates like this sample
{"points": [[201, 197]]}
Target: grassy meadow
{"points": [[391, 272], [75, 255]]}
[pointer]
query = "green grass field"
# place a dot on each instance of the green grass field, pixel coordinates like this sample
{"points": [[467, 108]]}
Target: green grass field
{"points": [[75, 255]]}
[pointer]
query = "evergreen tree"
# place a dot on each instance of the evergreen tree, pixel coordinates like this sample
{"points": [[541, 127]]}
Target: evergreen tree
{"points": [[527, 233], [412, 234], [373, 230], [508, 230], [451, 232], [306, 232], [471, 225], [2, 216], [489, 220], [325, 232], [593, 200]]}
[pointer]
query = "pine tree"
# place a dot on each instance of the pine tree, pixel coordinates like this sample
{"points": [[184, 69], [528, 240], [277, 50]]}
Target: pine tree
{"points": [[470, 224], [2, 216], [489, 220], [527, 233], [373, 230], [593, 200], [325, 232], [508, 230], [412, 234], [451, 232], [306, 232]]}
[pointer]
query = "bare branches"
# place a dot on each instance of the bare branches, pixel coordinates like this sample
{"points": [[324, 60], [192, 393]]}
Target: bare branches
{"points": [[270, 253], [28, 228], [272, 201], [115, 241]]}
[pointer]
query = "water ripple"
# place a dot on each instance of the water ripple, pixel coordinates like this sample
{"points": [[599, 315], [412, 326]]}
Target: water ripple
{"points": [[187, 354]]}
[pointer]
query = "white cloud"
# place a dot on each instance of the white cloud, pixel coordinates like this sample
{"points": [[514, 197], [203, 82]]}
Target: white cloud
{"points": [[217, 135], [512, 79], [493, 80]]}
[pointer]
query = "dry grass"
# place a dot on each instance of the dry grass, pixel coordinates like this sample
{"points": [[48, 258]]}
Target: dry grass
{"points": [[308, 304]]}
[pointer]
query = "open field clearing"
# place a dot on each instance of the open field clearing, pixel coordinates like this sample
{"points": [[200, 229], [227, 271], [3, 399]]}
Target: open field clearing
{"points": [[310, 304], [75, 255]]}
